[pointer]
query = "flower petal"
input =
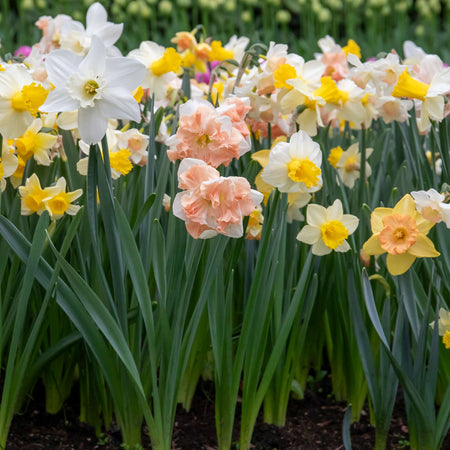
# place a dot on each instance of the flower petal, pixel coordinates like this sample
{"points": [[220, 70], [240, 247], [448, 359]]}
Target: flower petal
{"points": [[59, 100], [350, 222], [316, 215], [320, 249], [344, 247], [335, 211], [373, 246], [423, 248], [61, 65], [309, 235], [126, 73], [94, 62], [376, 218], [399, 264], [405, 206], [119, 105], [91, 125]]}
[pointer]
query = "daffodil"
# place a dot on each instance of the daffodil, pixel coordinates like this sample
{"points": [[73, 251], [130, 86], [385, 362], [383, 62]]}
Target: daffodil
{"points": [[32, 196], [327, 228], [35, 144], [162, 66], [75, 37], [432, 207], [431, 95], [295, 166], [20, 100], [59, 202], [97, 86], [444, 326], [348, 163], [401, 232]]}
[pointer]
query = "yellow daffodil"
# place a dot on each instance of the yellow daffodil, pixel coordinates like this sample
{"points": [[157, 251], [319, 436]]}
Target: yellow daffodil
{"points": [[36, 144], [401, 232], [32, 196], [59, 202]]}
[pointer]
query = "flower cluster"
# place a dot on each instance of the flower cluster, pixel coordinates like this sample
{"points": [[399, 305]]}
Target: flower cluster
{"points": [[211, 204], [54, 199]]}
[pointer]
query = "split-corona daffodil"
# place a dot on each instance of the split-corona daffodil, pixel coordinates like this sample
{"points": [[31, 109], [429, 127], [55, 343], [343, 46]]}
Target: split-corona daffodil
{"points": [[401, 232]]}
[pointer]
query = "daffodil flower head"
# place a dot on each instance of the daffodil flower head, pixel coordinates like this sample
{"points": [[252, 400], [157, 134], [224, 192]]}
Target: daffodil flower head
{"points": [[32, 196], [97, 86], [295, 166], [59, 202], [35, 144], [327, 228], [75, 37], [348, 163], [431, 204], [401, 232], [20, 99]]}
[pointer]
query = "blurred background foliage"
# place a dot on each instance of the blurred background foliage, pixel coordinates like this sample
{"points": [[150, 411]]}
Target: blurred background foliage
{"points": [[374, 24]]}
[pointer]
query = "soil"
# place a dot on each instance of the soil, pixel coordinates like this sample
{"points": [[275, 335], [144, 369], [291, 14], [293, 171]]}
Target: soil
{"points": [[312, 423]]}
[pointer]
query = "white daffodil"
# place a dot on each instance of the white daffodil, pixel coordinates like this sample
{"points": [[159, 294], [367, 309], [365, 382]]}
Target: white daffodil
{"points": [[432, 207], [328, 228], [97, 86], [295, 166], [78, 39]]}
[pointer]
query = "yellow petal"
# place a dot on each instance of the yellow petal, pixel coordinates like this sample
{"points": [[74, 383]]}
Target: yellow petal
{"points": [[423, 248], [406, 206], [398, 264], [423, 225], [376, 218], [373, 246], [262, 157], [263, 187]]}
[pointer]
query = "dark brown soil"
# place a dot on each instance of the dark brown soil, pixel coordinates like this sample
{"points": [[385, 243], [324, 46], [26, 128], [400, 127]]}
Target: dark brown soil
{"points": [[312, 423]]}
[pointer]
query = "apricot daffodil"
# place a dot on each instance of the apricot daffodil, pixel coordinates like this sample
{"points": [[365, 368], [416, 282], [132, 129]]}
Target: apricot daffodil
{"points": [[401, 232]]}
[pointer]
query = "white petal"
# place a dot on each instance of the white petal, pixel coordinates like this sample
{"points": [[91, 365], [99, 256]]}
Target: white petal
{"points": [[256, 196], [344, 247], [61, 65], [126, 73], [119, 105], [110, 33], [335, 211], [94, 62], [91, 125], [316, 215], [320, 249], [434, 107], [350, 222], [309, 235], [96, 17], [59, 100]]}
